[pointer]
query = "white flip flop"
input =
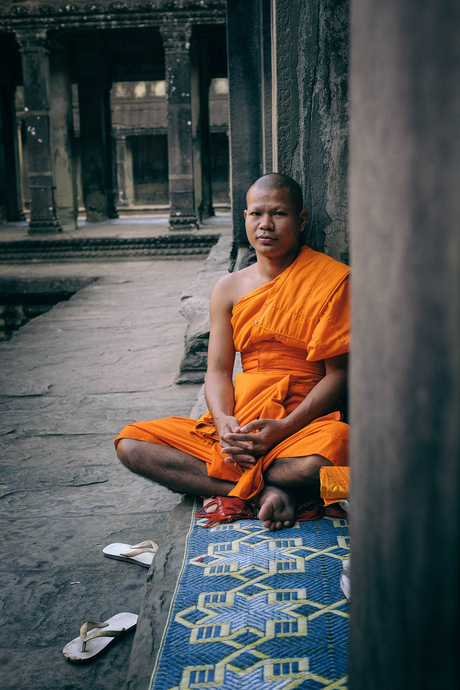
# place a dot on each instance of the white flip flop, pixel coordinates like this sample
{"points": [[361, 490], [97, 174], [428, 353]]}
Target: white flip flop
{"points": [[95, 638], [142, 553]]}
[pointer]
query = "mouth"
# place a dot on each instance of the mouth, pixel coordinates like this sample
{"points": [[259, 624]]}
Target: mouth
{"points": [[266, 239]]}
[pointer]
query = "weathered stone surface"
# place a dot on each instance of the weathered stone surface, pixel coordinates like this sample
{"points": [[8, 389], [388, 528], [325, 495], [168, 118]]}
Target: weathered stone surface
{"points": [[195, 308], [312, 113], [70, 380]]}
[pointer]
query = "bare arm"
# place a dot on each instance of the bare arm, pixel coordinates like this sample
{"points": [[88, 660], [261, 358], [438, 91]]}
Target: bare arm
{"points": [[219, 389], [319, 401]]}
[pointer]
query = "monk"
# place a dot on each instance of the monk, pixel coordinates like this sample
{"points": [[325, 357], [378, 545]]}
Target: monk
{"points": [[268, 432]]}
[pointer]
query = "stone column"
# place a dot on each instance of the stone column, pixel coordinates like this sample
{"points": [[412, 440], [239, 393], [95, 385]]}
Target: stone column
{"points": [[95, 133], [245, 105], [405, 377], [63, 146], [203, 170], [176, 39], [10, 191], [36, 77], [124, 172]]}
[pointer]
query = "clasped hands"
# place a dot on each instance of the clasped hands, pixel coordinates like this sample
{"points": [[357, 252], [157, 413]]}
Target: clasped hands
{"points": [[242, 446]]}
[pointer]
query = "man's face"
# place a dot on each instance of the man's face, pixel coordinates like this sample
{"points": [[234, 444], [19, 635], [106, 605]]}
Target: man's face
{"points": [[272, 224]]}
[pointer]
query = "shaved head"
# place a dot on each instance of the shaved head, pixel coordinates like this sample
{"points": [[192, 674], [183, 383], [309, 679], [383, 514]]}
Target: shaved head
{"points": [[278, 181]]}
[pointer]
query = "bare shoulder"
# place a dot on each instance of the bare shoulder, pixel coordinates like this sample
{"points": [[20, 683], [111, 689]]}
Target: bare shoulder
{"points": [[222, 293], [229, 289]]}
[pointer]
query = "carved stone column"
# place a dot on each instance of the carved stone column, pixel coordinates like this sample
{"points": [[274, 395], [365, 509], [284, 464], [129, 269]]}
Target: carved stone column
{"points": [[35, 69], [125, 195], [95, 133], [10, 191], [176, 41]]}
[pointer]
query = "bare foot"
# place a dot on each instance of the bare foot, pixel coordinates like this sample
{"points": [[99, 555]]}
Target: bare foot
{"points": [[211, 509], [277, 508]]}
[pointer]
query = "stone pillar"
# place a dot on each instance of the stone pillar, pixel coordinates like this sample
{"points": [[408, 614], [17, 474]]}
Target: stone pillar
{"points": [[124, 172], [63, 146], [203, 83], [405, 377], [36, 77], [245, 105], [10, 191], [95, 133], [176, 39]]}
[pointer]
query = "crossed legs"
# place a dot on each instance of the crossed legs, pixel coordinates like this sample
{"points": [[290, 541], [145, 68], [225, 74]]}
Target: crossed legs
{"points": [[288, 481]]}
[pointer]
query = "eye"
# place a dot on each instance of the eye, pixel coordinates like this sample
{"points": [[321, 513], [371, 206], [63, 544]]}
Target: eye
{"points": [[254, 213], [280, 213]]}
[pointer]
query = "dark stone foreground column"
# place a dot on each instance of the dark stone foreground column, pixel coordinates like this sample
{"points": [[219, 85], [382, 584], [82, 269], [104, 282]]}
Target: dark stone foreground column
{"points": [[36, 77], [176, 39], [405, 383]]}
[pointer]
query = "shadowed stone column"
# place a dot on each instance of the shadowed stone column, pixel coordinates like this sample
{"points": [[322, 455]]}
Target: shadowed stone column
{"points": [[63, 137], [10, 191], [176, 39], [95, 133], [201, 82], [245, 105], [405, 378], [36, 77]]}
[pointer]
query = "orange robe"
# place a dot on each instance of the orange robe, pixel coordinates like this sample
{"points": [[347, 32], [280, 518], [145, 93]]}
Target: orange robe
{"points": [[284, 331]]}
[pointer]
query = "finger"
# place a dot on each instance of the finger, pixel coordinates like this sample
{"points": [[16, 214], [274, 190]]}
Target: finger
{"points": [[238, 440], [243, 465], [236, 450], [242, 438], [246, 460], [252, 426]]}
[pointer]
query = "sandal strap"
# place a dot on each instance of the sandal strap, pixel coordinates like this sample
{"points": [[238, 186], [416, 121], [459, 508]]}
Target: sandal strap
{"points": [[312, 510], [228, 509], [147, 546], [103, 633]]}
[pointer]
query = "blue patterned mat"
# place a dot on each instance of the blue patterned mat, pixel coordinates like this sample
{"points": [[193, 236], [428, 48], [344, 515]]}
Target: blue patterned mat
{"points": [[255, 609]]}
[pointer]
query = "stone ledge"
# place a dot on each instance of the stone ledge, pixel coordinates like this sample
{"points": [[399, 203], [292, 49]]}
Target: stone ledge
{"points": [[187, 245]]}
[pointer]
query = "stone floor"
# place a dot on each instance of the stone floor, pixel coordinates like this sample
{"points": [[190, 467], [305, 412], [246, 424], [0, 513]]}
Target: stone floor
{"points": [[69, 380]]}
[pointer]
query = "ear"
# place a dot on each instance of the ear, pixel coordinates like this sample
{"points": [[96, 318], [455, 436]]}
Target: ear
{"points": [[303, 217], [245, 214]]}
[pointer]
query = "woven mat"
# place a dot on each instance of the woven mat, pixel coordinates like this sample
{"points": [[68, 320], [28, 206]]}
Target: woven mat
{"points": [[258, 609]]}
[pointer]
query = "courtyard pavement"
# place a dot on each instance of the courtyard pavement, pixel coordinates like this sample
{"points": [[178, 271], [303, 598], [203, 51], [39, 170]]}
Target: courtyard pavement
{"points": [[69, 381]]}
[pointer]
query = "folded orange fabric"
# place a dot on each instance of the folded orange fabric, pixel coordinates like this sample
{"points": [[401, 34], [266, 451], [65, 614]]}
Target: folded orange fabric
{"points": [[335, 484]]}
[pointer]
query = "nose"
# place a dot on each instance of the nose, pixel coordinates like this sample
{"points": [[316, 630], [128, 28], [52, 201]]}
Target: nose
{"points": [[266, 222]]}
